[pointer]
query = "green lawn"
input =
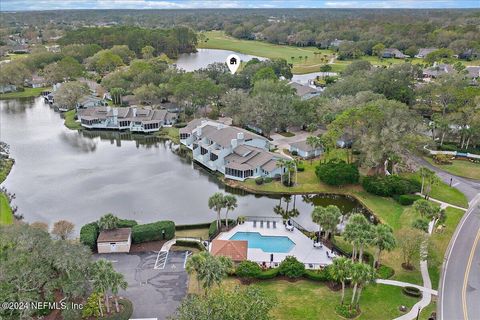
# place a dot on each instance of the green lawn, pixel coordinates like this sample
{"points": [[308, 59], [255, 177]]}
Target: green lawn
{"points": [[27, 93], [444, 192], [6, 169], [296, 55], [6, 216], [307, 300], [171, 133], [460, 168], [70, 121], [198, 233]]}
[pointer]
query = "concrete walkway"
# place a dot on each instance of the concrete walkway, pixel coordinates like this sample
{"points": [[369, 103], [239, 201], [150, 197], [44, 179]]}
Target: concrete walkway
{"points": [[406, 284], [443, 205]]}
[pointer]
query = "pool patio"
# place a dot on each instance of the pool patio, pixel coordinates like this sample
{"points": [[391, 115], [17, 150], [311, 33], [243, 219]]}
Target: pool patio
{"points": [[303, 250]]}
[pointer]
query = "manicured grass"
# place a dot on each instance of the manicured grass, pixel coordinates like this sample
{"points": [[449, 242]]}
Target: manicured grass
{"points": [[462, 168], [70, 121], [6, 169], [444, 192], [376, 61], [197, 233], [27, 93], [6, 215], [295, 55], [307, 300], [171, 133]]}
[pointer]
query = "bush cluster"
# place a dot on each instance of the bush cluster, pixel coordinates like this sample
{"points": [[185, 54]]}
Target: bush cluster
{"points": [[388, 186], [291, 268], [259, 180], [318, 275], [248, 269], [89, 234], [406, 199], [125, 223], [337, 173], [267, 180], [412, 291], [268, 274], [153, 231]]}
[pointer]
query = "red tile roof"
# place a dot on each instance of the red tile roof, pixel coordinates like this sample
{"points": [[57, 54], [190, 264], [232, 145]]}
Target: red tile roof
{"points": [[234, 249]]}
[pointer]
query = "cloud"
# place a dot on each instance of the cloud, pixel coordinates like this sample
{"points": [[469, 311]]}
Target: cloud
{"points": [[22, 5]]}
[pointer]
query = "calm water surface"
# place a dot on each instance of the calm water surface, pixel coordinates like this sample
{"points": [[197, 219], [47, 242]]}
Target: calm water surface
{"points": [[64, 174]]}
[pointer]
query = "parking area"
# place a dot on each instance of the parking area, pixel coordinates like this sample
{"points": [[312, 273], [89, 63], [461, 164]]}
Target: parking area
{"points": [[155, 293]]}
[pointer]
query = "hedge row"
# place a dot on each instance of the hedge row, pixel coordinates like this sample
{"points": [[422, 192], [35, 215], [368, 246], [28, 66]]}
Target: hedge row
{"points": [[406, 199], [192, 226], [153, 231], [125, 223], [89, 234], [191, 244], [412, 291], [388, 186]]}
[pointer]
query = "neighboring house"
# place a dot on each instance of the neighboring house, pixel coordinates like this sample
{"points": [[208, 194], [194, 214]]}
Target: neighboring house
{"points": [[393, 53], [473, 72], [37, 82], [345, 141], [55, 48], [7, 88], [336, 43], [237, 153], [305, 92], [134, 119], [422, 53], [234, 249], [437, 70], [90, 102], [116, 240], [304, 150], [469, 54]]}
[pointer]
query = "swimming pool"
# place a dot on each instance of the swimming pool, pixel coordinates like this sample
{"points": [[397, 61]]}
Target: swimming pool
{"points": [[272, 244]]}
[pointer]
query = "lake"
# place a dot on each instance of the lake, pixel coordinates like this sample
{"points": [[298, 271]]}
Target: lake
{"points": [[204, 57], [79, 176]]}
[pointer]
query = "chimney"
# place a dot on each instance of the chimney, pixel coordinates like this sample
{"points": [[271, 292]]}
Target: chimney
{"points": [[115, 116], [199, 131], [234, 143], [134, 110], [240, 136]]}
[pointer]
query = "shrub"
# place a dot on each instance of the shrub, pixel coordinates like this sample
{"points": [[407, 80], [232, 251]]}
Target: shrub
{"points": [[407, 199], [421, 224], [124, 314], [318, 275], [301, 167], [387, 186], [412, 291], [248, 269], [344, 310], [291, 268], [89, 234], [294, 153], [385, 272], [268, 274], [153, 231], [259, 180], [337, 173], [125, 223], [442, 159], [267, 180]]}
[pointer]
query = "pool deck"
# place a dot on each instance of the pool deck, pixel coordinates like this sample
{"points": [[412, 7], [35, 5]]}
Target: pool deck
{"points": [[303, 250]]}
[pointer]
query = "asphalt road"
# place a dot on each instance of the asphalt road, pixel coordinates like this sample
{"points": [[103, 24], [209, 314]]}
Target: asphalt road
{"points": [[459, 291]]}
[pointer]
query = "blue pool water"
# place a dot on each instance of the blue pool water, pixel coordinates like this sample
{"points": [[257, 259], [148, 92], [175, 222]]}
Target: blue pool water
{"points": [[265, 243]]}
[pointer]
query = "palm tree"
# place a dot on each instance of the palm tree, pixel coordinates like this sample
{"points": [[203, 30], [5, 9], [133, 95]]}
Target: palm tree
{"points": [[358, 232], [429, 179], [327, 218], [217, 203], [118, 282], [423, 207], [108, 222], [281, 163], [314, 142], [230, 205], [383, 239], [209, 269], [340, 272], [361, 275], [102, 273]]}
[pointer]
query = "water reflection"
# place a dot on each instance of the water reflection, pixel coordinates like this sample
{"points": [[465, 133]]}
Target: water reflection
{"points": [[79, 176]]}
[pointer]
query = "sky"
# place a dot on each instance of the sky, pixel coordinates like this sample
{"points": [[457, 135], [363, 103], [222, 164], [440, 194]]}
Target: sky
{"points": [[25, 5]]}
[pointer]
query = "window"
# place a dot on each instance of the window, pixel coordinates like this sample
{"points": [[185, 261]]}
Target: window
{"points": [[184, 136], [213, 157], [203, 151]]}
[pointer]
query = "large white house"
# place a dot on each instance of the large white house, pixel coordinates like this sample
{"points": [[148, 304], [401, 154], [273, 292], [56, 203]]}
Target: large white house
{"points": [[237, 153], [134, 119]]}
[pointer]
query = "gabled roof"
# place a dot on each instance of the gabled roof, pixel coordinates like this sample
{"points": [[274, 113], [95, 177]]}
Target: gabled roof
{"points": [[301, 89], [234, 249], [304, 146]]}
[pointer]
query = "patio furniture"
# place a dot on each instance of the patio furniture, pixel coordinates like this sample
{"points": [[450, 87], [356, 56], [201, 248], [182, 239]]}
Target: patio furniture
{"points": [[289, 227], [268, 224], [317, 245]]}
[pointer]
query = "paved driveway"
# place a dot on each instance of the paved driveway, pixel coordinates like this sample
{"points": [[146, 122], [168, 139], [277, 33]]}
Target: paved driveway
{"points": [[154, 293]]}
